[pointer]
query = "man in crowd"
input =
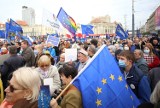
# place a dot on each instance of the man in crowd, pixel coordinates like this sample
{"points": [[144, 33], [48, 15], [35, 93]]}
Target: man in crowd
{"points": [[27, 54], [10, 65], [140, 61], [135, 78]]}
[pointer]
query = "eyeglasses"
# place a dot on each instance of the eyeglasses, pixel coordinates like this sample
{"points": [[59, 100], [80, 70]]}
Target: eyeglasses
{"points": [[11, 88]]}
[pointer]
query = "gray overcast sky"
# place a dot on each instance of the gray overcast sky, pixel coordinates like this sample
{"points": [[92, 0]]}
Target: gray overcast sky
{"points": [[82, 10]]}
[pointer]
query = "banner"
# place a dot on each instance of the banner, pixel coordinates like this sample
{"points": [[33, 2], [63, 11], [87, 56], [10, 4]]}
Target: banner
{"points": [[53, 39], [49, 20]]}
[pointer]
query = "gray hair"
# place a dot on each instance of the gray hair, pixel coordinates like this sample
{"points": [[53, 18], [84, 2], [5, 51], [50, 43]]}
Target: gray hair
{"points": [[92, 48], [155, 96], [140, 52], [28, 78]]}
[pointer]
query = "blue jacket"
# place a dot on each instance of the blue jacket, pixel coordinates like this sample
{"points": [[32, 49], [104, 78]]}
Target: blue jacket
{"points": [[139, 84]]}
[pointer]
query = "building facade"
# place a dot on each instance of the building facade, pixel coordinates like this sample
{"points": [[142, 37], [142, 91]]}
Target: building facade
{"points": [[28, 15], [103, 25], [151, 26]]}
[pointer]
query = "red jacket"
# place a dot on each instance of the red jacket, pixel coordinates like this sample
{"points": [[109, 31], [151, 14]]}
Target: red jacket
{"points": [[155, 63]]}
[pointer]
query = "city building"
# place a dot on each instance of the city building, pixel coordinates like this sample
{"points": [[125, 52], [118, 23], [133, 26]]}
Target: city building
{"points": [[103, 25], [28, 15], [152, 26]]}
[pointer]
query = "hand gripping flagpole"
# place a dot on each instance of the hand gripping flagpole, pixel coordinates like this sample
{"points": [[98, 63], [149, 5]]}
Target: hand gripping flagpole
{"points": [[79, 73]]}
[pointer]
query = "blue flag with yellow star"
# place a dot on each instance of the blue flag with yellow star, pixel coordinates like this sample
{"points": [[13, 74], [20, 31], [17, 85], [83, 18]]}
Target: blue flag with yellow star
{"points": [[102, 85]]}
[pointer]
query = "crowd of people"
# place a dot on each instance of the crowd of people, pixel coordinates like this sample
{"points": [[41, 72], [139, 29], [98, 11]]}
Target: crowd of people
{"points": [[25, 68]]}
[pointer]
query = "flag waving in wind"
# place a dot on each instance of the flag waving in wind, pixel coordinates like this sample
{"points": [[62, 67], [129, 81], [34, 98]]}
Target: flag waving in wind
{"points": [[87, 29], [14, 26], [121, 33], [67, 21], [103, 86]]}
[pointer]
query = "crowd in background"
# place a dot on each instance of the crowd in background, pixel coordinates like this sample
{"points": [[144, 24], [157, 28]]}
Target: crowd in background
{"points": [[137, 58]]}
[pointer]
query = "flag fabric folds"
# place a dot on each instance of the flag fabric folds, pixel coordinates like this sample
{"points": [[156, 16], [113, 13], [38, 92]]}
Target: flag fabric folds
{"points": [[2, 34], [102, 85], [121, 33], [27, 38], [14, 26], [87, 29], [67, 21]]}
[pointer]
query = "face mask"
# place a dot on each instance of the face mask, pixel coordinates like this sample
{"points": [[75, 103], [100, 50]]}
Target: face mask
{"points": [[146, 51], [35, 52], [126, 48], [121, 63]]}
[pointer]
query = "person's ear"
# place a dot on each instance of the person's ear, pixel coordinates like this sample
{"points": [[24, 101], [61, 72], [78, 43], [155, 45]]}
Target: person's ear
{"points": [[28, 93]]}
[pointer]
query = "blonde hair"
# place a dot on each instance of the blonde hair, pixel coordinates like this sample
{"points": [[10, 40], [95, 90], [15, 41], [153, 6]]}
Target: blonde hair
{"points": [[39, 48], [44, 59], [28, 78]]}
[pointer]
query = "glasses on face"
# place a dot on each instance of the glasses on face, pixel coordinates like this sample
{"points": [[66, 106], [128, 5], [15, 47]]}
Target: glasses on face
{"points": [[11, 88]]}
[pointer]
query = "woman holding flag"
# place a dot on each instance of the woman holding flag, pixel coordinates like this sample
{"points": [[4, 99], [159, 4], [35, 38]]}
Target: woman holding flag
{"points": [[71, 95]]}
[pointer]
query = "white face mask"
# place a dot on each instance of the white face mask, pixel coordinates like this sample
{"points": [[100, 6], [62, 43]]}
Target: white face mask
{"points": [[146, 51], [126, 48]]}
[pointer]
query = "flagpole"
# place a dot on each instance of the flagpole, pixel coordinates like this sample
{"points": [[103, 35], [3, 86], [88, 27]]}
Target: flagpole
{"points": [[132, 19], [81, 71]]}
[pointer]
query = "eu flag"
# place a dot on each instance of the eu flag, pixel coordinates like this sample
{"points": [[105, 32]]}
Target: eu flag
{"points": [[87, 29], [67, 21], [14, 26], [121, 33], [102, 85], [2, 34], [26, 38]]}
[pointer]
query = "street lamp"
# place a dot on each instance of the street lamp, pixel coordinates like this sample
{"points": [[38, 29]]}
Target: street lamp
{"points": [[132, 18]]}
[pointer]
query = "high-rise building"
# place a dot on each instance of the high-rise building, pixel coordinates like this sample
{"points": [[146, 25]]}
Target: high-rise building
{"points": [[28, 15]]}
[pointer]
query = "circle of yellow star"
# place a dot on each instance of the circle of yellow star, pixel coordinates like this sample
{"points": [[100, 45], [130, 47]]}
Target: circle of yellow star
{"points": [[99, 90], [112, 77], [104, 81], [98, 102], [120, 78]]}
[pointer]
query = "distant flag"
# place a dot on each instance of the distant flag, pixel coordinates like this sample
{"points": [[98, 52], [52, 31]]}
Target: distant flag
{"points": [[50, 20], [87, 29], [68, 36], [127, 32], [121, 33], [67, 22], [26, 38], [2, 34], [14, 26], [103, 86], [7, 30], [138, 33]]}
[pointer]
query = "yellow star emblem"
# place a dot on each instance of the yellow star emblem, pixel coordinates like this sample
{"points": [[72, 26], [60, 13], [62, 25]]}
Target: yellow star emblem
{"points": [[98, 102], [126, 86], [120, 78], [104, 81], [112, 77], [99, 90]]}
